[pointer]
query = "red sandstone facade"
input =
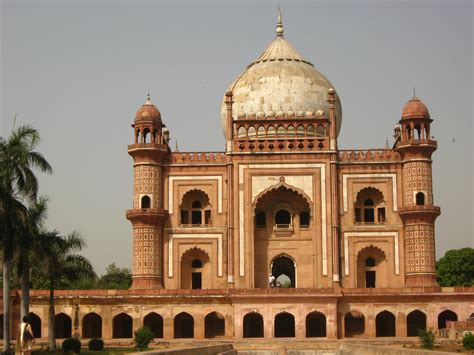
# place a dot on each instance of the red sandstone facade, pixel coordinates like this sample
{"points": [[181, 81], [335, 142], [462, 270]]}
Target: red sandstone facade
{"points": [[350, 233]]}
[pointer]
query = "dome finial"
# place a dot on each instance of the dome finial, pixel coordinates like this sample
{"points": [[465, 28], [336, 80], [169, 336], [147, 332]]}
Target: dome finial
{"points": [[414, 95], [279, 28], [148, 99]]}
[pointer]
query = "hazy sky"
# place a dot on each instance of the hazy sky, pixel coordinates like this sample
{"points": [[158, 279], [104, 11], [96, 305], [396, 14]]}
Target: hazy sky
{"points": [[79, 70]]}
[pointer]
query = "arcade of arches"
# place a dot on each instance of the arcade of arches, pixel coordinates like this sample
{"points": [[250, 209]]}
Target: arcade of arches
{"points": [[193, 323]]}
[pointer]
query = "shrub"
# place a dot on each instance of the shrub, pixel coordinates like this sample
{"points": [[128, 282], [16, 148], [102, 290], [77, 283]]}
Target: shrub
{"points": [[427, 338], [468, 340], [71, 344], [96, 344], [143, 337]]}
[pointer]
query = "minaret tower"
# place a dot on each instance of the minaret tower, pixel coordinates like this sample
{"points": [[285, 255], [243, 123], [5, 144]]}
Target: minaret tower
{"points": [[148, 216], [419, 212]]}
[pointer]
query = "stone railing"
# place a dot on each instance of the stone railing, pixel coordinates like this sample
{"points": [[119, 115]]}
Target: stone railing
{"points": [[198, 157], [369, 155]]}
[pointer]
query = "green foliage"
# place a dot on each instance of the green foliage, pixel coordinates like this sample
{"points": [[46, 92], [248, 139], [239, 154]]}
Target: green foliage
{"points": [[427, 338], [71, 344], [456, 268], [468, 341], [143, 337], [96, 344], [116, 278]]}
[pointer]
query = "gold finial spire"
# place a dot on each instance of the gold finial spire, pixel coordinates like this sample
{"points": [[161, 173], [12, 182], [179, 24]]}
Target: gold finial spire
{"points": [[279, 28]]}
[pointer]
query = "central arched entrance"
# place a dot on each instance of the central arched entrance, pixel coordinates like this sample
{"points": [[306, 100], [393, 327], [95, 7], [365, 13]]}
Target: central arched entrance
{"points": [[284, 271]]}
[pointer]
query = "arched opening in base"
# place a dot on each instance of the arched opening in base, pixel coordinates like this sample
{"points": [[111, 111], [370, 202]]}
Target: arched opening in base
{"points": [[253, 325], [385, 324], [284, 325]]}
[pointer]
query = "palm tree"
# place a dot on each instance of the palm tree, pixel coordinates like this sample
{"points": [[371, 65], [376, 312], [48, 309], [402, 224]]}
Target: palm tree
{"points": [[18, 182], [56, 262], [30, 237]]}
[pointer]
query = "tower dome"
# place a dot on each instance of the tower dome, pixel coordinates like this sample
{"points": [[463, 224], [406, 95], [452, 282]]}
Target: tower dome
{"points": [[415, 109], [280, 79], [148, 112]]}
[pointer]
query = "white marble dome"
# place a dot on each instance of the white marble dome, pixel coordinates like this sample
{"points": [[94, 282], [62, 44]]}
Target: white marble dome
{"points": [[280, 80]]}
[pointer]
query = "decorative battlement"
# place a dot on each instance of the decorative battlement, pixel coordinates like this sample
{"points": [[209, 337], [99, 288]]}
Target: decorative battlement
{"points": [[197, 157], [369, 155]]}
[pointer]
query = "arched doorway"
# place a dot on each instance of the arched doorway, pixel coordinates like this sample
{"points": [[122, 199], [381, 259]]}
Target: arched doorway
{"points": [[385, 324], [284, 271], [253, 325], [184, 326], [354, 324], [315, 325], [276, 212], [372, 268], [444, 316], [122, 326], [195, 270], [214, 325], [92, 326], [62, 326], [155, 322], [416, 320], [35, 322], [284, 325]]}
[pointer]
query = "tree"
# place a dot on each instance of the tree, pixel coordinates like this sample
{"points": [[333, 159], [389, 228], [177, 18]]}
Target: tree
{"points": [[456, 268], [18, 182], [57, 261], [31, 229], [115, 278]]}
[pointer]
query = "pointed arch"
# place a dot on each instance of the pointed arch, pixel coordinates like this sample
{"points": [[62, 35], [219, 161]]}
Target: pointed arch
{"points": [[445, 316], [416, 320], [385, 324], [372, 267], [253, 325], [154, 321], [92, 325], [194, 274], [284, 265], [283, 185], [122, 325], [183, 326], [284, 325], [315, 325], [214, 325], [62, 326], [35, 322]]}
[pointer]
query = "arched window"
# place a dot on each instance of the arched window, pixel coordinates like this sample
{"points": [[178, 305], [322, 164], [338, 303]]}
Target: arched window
{"points": [[280, 131], [260, 219], [320, 131], [282, 219], [155, 322], [261, 131], [146, 135], [251, 132], [122, 326], [310, 131], [369, 207], [241, 132], [284, 325], [271, 131], [195, 209], [196, 263], [300, 130], [420, 198], [354, 324], [146, 201], [416, 321], [62, 326], [370, 261], [214, 325], [183, 326], [92, 326], [284, 271], [315, 325], [385, 324], [445, 316], [290, 131], [372, 269], [253, 325], [304, 219]]}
